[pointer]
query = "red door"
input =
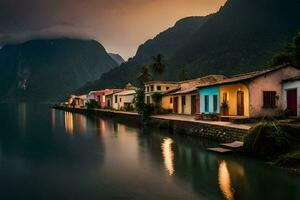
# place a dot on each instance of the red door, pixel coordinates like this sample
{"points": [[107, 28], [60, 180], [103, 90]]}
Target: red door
{"points": [[292, 101]]}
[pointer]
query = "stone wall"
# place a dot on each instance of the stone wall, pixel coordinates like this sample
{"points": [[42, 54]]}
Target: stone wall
{"points": [[202, 130]]}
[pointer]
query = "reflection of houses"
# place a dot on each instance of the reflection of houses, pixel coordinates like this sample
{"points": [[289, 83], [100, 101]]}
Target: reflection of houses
{"points": [[158, 87], [291, 95], [251, 94]]}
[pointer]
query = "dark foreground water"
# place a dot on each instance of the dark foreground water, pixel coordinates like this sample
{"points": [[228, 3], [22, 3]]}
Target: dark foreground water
{"points": [[48, 154]]}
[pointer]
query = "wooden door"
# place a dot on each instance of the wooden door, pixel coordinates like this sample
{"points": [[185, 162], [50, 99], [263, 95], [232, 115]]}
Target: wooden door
{"points": [[175, 105], [292, 101], [240, 103], [193, 104]]}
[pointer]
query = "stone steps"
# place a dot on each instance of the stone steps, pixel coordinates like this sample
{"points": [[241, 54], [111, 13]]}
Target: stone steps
{"points": [[233, 145], [220, 150]]}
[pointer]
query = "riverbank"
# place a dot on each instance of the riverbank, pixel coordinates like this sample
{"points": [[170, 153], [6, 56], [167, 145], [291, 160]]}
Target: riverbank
{"points": [[182, 124]]}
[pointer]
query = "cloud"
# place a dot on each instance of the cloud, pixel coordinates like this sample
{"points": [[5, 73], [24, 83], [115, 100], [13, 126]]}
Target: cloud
{"points": [[120, 25]]}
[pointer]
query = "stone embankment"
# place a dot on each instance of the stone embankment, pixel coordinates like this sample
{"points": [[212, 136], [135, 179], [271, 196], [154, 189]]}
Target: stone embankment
{"points": [[181, 124]]}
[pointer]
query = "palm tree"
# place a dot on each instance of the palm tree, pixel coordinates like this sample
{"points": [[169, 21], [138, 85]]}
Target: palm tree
{"points": [[158, 66], [144, 75]]}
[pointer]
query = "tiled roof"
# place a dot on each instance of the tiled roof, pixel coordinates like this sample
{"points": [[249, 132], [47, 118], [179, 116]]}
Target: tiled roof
{"points": [[186, 91], [161, 82], [126, 92], [245, 76]]}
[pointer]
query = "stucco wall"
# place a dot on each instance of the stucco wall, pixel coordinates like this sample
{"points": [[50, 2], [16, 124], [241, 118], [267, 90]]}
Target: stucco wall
{"points": [[269, 82], [184, 109], [287, 86], [232, 97], [210, 91], [166, 104]]}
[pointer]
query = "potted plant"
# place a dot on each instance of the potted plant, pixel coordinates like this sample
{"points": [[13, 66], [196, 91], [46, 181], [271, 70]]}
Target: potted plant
{"points": [[224, 108]]}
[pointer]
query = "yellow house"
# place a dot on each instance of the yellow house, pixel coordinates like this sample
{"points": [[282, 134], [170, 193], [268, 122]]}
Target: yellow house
{"points": [[236, 98], [167, 102]]}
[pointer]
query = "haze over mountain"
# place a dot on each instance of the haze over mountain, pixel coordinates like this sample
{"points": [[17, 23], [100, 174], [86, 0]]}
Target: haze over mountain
{"points": [[116, 57], [243, 35], [50, 69]]}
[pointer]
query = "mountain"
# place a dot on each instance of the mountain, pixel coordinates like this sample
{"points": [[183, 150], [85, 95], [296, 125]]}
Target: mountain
{"points": [[242, 36], [50, 69], [117, 58]]}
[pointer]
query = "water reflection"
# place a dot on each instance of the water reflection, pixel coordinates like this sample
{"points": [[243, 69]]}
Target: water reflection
{"points": [[53, 118], [69, 123], [168, 155], [80, 123], [22, 114], [225, 181]]}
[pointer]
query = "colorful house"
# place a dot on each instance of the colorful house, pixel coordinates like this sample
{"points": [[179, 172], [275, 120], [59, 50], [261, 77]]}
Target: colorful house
{"points": [[253, 94], [124, 100], [158, 87], [77, 101], [209, 99], [291, 95], [187, 99]]}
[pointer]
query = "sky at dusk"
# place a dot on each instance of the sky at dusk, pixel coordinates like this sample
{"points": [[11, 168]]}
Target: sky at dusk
{"points": [[120, 25]]}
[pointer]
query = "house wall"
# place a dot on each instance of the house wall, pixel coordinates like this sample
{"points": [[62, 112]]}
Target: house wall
{"points": [[166, 103], [121, 100], [210, 91], [231, 91], [268, 82], [164, 87], [288, 86], [108, 98], [187, 108]]}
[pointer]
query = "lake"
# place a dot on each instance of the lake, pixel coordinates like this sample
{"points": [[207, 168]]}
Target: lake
{"points": [[51, 154]]}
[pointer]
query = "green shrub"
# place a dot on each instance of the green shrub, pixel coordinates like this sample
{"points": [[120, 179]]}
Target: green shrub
{"points": [[267, 140], [91, 104], [289, 160]]}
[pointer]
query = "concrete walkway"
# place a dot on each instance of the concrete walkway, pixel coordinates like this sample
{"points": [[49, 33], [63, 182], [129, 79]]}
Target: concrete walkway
{"points": [[190, 118]]}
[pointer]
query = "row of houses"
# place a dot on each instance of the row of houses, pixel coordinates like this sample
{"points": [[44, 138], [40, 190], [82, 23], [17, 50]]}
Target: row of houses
{"points": [[266, 92]]}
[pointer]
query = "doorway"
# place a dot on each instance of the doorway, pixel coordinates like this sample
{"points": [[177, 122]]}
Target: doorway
{"points": [[175, 105], [240, 103], [292, 101], [193, 104]]}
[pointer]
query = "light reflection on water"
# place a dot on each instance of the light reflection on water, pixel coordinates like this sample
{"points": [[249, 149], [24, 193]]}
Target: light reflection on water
{"points": [[69, 123], [168, 155], [106, 158], [225, 181]]}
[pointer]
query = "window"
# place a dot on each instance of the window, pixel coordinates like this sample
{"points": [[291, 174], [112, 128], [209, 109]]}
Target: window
{"points": [[116, 99], [225, 97], [158, 87], [269, 99], [171, 100], [120, 100], [148, 99], [152, 87], [167, 88], [147, 89], [215, 103], [206, 103]]}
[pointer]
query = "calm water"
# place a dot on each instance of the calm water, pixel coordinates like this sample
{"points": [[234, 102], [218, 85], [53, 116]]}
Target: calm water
{"points": [[48, 154]]}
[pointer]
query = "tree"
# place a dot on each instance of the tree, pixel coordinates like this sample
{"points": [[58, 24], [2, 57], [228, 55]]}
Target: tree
{"points": [[144, 76], [158, 66], [291, 53], [183, 75]]}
